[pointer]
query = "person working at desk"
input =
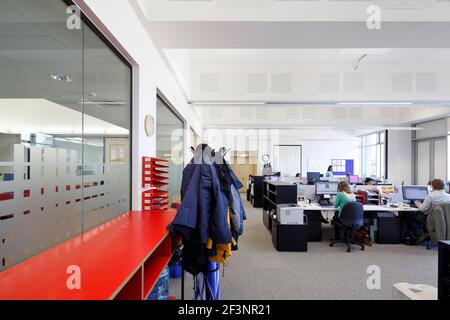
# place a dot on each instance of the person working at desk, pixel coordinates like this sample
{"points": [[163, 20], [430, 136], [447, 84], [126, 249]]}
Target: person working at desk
{"points": [[417, 220], [344, 196], [370, 182], [329, 172]]}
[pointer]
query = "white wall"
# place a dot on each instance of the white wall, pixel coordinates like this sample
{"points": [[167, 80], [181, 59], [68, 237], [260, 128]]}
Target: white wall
{"points": [[150, 72], [399, 157], [320, 146]]}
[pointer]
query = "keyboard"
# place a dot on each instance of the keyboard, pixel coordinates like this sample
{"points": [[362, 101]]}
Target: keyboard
{"points": [[330, 205]]}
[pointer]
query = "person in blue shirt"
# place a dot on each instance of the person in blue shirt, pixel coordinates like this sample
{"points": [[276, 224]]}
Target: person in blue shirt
{"points": [[329, 172]]}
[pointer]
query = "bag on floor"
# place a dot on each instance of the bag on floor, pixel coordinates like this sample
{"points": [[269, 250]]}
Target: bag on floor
{"points": [[362, 235], [406, 235], [364, 238]]}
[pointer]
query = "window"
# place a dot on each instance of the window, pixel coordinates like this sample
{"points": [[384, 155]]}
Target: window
{"points": [[339, 165], [170, 145], [64, 131], [430, 145], [373, 159], [195, 139]]}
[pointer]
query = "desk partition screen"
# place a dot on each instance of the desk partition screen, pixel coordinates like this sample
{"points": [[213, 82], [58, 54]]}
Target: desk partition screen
{"points": [[287, 159]]}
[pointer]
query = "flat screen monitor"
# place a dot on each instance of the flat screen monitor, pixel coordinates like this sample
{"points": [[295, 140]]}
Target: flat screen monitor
{"points": [[413, 193], [315, 176], [326, 187], [353, 179]]}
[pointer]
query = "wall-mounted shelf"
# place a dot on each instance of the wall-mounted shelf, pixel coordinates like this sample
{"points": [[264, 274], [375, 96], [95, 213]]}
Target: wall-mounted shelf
{"points": [[154, 178], [120, 259]]}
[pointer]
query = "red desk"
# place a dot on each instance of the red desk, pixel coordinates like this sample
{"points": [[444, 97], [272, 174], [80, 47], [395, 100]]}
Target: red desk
{"points": [[121, 259]]}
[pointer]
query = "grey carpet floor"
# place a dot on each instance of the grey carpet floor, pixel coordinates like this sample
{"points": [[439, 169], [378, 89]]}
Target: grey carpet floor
{"points": [[258, 271]]}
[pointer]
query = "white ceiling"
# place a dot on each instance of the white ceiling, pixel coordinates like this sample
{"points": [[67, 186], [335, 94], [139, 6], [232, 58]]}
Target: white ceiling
{"points": [[304, 105], [416, 57], [316, 63], [32, 116], [292, 10]]}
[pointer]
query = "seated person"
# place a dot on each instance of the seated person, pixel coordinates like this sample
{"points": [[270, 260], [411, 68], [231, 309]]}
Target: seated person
{"points": [[417, 220], [370, 182], [344, 196]]}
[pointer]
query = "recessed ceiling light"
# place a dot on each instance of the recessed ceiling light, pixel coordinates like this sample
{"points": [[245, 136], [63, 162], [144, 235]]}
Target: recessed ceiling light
{"points": [[61, 77]]}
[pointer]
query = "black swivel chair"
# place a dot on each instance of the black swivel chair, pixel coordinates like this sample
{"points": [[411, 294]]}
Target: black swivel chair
{"points": [[351, 219]]}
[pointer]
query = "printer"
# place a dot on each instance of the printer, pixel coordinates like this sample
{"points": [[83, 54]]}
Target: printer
{"points": [[290, 214]]}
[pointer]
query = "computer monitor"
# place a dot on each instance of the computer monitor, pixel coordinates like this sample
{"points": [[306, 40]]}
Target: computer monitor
{"points": [[414, 193], [353, 179], [326, 187], [313, 176]]}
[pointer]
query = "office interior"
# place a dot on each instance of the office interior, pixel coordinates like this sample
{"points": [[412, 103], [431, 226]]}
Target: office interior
{"points": [[89, 87]]}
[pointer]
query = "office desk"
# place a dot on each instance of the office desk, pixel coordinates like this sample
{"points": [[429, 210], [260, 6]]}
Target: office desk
{"points": [[314, 211], [367, 208]]}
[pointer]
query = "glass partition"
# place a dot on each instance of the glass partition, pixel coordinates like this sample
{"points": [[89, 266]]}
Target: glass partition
{"points": [[65, 105], [287, 159], [170, 145]]}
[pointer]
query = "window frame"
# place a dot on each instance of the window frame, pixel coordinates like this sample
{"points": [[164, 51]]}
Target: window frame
{"points": [[381, 153]]}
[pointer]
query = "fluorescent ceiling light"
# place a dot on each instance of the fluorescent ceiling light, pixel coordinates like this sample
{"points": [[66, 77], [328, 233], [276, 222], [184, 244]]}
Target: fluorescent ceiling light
{"points": [[376, 103], [100, 103], [403, 128], [226, 103]]}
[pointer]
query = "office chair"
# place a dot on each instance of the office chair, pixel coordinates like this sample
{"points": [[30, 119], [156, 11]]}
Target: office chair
{"points": [[352, 218]]}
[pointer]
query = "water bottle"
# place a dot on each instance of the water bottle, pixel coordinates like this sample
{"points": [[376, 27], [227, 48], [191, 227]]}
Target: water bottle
{"points": [[163, 292], [161, 289]]}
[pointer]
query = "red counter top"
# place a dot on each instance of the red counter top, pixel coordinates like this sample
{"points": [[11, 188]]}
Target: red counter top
{"points": [[109, 256]]}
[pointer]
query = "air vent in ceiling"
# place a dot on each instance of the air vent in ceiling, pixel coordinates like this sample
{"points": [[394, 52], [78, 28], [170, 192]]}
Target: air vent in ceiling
{"points": [[257, 83], [402, 82]]}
